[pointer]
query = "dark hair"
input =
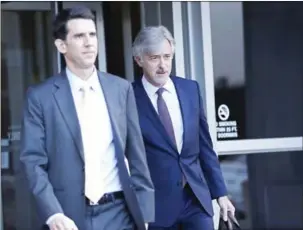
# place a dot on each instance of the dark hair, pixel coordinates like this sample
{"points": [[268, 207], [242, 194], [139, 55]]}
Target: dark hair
{"points": [[60, 22]]}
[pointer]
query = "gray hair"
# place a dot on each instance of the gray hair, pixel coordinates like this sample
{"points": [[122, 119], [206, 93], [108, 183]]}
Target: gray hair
{"points": [[149, 38]]}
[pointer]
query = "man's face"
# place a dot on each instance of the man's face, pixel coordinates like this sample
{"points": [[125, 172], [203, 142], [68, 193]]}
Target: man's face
{"points": [[157, 64], [81, 43]]}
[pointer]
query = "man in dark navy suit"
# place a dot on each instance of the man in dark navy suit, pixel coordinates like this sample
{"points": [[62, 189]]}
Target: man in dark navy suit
{"points": [[184, 167]]}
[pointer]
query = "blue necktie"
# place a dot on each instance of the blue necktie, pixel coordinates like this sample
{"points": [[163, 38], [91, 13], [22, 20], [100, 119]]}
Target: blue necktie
{"points": [[164, 115]]}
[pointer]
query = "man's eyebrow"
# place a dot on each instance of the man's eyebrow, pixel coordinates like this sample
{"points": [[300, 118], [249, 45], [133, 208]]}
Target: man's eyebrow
{"points": [[78, 34], [81, 33]]}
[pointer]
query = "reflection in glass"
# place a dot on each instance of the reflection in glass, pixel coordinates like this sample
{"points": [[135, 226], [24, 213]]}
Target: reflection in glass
{"points": [[266, 189], [26, 59], [234, 169]]}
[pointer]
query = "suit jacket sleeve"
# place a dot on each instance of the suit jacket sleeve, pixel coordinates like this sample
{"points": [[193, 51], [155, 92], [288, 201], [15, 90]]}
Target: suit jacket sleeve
{"points": [[135, 152], [208, 158], [33, 157]]}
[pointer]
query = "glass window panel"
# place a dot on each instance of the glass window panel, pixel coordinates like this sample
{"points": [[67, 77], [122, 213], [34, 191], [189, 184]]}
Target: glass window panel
{"points": [[266, 189], [257, 60], [27, 58]]}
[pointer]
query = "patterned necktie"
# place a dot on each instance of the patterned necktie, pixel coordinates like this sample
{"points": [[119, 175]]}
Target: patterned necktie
{"points": [[164, 115]]}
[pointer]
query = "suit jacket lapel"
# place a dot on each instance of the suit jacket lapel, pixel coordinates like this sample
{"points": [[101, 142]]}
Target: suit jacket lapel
{"points": [[111, 99], [65, 102], [184, 101], [146, 107]]}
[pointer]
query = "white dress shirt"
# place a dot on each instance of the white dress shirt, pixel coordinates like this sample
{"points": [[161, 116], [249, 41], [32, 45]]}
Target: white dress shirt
{"points": [[171, 99], [98, 143]]}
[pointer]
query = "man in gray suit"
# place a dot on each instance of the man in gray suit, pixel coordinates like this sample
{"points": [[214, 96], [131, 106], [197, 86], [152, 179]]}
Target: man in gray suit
{"points": [[82, 149]]}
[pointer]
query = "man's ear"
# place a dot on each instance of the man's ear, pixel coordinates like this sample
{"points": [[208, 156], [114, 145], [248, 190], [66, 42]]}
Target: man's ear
{"points": [[139, 60], [61, 46]]}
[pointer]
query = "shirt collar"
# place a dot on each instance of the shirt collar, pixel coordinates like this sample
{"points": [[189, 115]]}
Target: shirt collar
{"points": [[77, 83], [151, 90]]}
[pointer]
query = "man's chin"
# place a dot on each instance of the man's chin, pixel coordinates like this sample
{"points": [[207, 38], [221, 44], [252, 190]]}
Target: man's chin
{"points": [[162, 75], [88, 65], [161, 80]]}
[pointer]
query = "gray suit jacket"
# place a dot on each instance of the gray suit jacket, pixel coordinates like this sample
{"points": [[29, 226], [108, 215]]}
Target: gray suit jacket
{"points": [[52, 152]]}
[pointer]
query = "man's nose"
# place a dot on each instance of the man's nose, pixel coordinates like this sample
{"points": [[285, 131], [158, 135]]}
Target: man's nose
{"points": [[162, 62], [88, 40]]}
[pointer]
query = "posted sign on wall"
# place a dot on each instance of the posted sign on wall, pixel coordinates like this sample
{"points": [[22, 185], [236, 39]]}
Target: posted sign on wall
{"points": [[226, 128]]}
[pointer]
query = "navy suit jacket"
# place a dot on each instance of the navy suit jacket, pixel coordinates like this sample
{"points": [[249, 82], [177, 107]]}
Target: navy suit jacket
{"points": [[197, 160]]}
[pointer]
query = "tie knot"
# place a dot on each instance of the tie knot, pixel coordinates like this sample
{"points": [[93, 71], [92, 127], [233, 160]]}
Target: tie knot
{"points": [[160, 91]]}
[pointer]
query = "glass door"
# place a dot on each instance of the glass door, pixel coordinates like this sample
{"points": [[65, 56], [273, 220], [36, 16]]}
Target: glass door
{"points": [[254, 107], [27, 58]]}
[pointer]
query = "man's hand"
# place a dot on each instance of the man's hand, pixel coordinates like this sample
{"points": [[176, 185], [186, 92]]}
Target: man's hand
{"points": [[62, 223], [225, 207]]}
